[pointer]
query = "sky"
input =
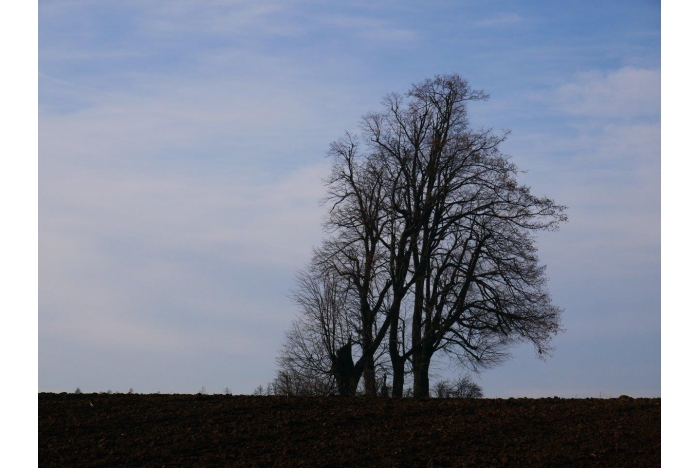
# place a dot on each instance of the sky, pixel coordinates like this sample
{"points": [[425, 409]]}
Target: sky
{"points": [[182, 146]]}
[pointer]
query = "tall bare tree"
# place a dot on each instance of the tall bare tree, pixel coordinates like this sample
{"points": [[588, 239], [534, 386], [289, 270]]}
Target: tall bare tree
{"points": [[431, 248], [460, 239]]}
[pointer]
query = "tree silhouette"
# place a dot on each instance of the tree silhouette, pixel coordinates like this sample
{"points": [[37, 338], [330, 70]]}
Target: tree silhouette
{"points": [[431, 247]]}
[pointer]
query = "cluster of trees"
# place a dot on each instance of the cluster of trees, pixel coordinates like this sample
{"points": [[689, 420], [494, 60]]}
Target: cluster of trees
{"points": [[429, 251], [460, 388]]}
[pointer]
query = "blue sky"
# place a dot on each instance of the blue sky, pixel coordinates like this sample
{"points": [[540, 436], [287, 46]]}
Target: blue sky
{"points": [[182, 146]]}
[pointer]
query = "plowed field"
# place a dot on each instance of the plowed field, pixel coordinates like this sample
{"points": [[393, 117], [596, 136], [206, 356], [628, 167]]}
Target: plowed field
{"points": [[100, 430]]}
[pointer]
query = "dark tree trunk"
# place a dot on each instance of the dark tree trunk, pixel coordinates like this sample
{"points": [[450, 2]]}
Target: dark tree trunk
{"points": [[343, 370], [397, 365], [370, 378], [397, 361], [399, 375], [421, 379]]}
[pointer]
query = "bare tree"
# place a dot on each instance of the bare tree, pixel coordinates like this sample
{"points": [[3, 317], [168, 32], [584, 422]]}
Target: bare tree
{"points": [[318, 345], [459, 238], [431, 248]]}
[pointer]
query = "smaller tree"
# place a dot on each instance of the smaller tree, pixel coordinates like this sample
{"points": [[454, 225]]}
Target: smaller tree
{"points": [[318, 346], [463, 387], [293, 382]]}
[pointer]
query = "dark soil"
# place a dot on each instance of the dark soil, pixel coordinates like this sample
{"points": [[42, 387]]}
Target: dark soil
{"points": [[92, 430]]}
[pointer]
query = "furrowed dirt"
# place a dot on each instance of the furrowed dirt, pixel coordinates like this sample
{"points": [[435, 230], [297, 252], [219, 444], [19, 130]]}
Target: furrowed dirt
{"points": [[100, 430]]}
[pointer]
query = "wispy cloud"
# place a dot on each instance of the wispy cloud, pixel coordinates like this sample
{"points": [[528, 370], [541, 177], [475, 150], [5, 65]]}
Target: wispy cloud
{"points": [[114, 251], [625, 93], [147, 197], [603, 162], [176, 202], [501, 20], [229, 18], [374, 29]]}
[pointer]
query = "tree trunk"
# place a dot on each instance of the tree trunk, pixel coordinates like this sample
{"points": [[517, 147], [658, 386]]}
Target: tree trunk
{"points": [[397, 385], [370, 378], [397, 365], [421, 379], [397, 362], [343, 370]]}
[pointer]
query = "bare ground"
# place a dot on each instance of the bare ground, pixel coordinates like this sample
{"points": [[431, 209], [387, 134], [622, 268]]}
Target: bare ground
{"points": [[101, 430]]}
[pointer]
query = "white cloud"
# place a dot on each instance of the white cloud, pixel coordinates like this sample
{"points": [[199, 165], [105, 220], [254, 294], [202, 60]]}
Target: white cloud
{"points": [[627, 93]]}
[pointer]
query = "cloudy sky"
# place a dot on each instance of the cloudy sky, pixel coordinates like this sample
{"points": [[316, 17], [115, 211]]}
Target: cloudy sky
{"points": [[182, 146]]}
